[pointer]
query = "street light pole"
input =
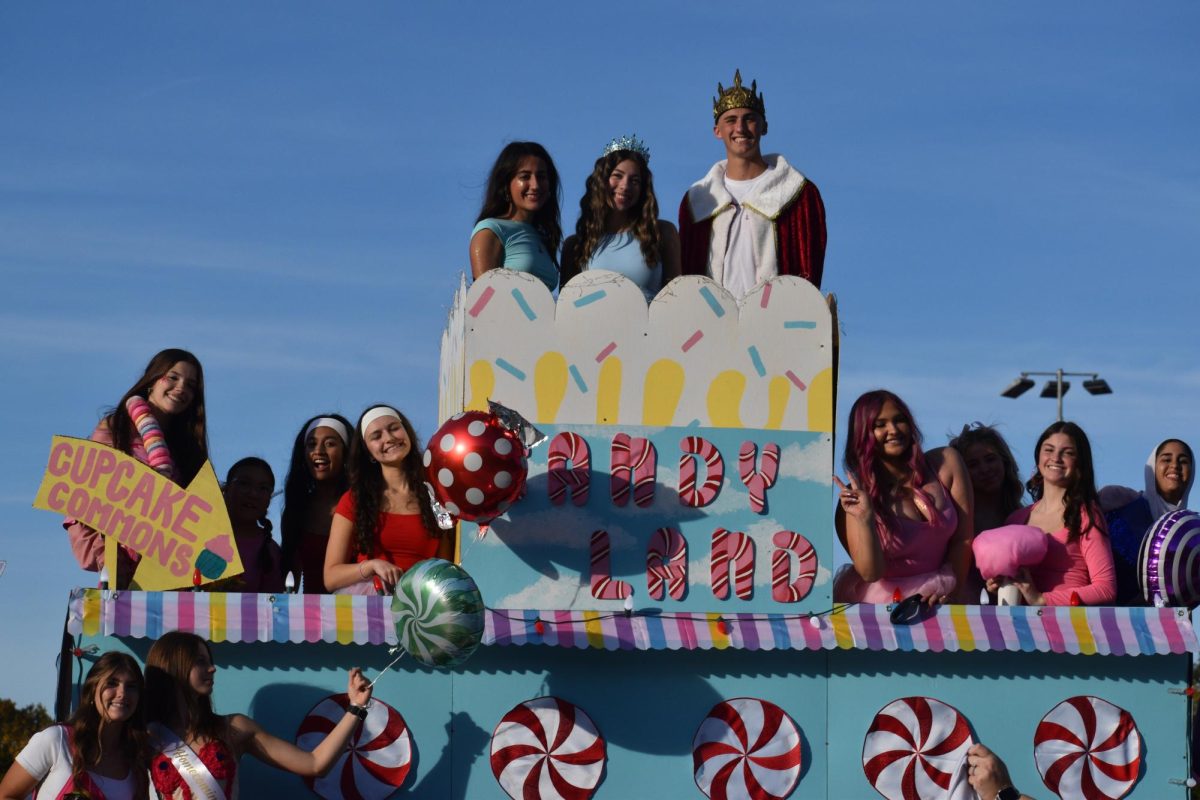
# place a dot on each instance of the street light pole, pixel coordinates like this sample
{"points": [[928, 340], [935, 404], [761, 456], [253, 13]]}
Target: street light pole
{"points": [[1060, 393], [1095, 385]]}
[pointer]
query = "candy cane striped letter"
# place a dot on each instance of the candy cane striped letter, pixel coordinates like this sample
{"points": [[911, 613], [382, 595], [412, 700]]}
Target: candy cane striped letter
{"points": [[693, 492], [732, 552], [634, 462], [604, 587], [788, 544], [568, 449], [666, 564], [758, 478]]}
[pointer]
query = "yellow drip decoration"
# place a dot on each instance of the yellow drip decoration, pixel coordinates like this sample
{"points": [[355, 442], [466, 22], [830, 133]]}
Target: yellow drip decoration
{"points": [[608, 392], [725, 399], [483, 383], [661, 392], [549, 385], [778, 392], [820, 401]]}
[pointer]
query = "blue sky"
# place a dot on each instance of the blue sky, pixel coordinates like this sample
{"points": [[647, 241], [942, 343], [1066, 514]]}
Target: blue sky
{"points": [[287, 190]]}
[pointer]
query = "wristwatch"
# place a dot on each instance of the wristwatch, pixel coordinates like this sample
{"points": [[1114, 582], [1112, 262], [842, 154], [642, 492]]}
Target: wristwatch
{"points": [[1008, 793], [361, 712]]}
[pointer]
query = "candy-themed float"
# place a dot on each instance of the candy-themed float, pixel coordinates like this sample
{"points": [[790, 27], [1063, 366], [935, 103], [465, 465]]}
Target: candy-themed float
{"points": [[659, 620]]}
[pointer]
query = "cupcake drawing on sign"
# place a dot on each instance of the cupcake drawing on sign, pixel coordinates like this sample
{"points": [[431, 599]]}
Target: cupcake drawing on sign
{"points": [[216, 555]]}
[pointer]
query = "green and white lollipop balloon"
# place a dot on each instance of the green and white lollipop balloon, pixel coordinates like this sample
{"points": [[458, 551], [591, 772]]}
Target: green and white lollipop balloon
{"points": [[439, 613]]}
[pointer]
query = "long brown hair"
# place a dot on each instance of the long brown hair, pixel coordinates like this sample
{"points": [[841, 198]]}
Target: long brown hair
{"points": [[367, 486], [497, 197], [86, 724], [168, 677], [186, 433], [1080, 496], [594, 208]]}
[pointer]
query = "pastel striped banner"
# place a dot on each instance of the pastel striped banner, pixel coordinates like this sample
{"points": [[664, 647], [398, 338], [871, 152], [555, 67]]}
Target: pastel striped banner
{"points": [[349, 619]]}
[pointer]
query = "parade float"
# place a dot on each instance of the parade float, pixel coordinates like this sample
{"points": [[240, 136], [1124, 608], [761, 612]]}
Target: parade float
{"points": [[659, 620]]}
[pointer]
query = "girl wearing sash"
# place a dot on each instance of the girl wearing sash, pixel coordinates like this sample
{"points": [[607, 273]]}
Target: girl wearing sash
{"points": [[518, 225], [160, 421], [904, 515], [386, 522], [101, 752], [198, 749], [316, 480], [619, 229]]}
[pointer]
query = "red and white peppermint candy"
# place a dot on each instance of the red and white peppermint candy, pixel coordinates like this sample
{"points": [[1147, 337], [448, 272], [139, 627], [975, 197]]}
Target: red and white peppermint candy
{"points": [[1088, 748], [915, 749], [547, 748], [378, 758], [746, 747]]}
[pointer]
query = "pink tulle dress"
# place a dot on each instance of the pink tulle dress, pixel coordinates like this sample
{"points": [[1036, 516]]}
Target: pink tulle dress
{"points": [[915, 556]]}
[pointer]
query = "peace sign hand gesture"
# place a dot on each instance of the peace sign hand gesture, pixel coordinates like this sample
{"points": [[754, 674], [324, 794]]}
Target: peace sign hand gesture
{"points": [[854, 501]]}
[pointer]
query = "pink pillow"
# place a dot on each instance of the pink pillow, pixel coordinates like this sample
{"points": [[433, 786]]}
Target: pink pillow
{"points": [[1003, 551]]}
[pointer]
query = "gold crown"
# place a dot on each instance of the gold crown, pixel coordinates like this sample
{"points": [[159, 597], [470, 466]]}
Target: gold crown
{"points": [[738, 96]]}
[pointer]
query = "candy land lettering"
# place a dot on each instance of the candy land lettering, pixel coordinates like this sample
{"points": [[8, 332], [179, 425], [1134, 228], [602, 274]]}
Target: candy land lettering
{"points": [[633, 484]]}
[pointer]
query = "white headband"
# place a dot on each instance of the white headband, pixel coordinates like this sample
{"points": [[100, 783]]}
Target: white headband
{"points": [[328, 422], [374, 414]]}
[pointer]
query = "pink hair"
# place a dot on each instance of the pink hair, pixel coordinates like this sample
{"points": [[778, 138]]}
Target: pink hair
{"points": [[861, 458]]}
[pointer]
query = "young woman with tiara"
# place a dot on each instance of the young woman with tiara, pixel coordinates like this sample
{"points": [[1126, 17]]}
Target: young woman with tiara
{"points": [[618, 228], [1167, 477], [198, 750], [386, 522], [904, 515], [161, 422], [317, 478], [518, 225], [248, 488], [101, 752], [1078, 562]]}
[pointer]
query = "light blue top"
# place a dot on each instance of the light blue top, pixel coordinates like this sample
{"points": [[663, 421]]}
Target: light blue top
{"points": [[621, 252], [523, 249]]}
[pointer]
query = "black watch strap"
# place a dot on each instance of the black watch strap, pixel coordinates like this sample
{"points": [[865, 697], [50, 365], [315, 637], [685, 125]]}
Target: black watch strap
{"points": [[360, 711], [1008, 793]]}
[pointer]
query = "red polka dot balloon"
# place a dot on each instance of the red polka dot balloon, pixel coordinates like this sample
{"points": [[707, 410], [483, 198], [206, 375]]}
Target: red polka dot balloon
{"points": [[475, 466]]}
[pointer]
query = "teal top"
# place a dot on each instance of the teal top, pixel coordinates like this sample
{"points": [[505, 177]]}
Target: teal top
{"points": [[523, 249], [621, 252]]}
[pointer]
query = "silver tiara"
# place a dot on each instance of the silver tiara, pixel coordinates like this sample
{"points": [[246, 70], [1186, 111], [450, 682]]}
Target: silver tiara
{"points": [[630, 142]]}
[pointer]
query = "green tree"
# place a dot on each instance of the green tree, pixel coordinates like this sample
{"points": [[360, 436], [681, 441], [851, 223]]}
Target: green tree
{"points": [[17, 724]]}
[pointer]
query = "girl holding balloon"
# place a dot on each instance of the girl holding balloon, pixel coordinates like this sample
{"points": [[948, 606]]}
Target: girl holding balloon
{"points": [[198, 749], [385, 523], [1168, 475]]}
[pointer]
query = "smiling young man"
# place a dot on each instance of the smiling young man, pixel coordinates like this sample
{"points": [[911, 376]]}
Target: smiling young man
{"points": [[752, 217]]}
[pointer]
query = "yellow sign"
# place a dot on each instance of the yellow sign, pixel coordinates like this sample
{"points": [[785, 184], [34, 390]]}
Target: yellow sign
{"points": [[176, 531]]}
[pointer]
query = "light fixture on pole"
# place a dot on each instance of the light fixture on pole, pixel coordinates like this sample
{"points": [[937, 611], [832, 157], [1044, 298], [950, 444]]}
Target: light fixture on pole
{"points": [[1056, 387]]}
